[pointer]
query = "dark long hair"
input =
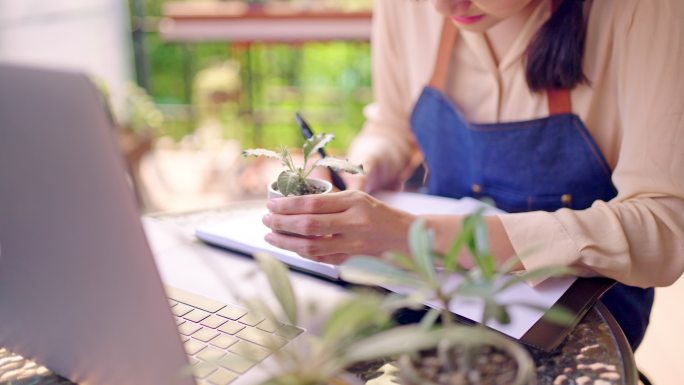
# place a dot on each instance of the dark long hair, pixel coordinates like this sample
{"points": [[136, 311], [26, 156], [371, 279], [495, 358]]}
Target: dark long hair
{"points": [[554, 56]]}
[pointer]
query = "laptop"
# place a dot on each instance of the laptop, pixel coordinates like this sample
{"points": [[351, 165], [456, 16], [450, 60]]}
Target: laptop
{"points": [[80, 290]]}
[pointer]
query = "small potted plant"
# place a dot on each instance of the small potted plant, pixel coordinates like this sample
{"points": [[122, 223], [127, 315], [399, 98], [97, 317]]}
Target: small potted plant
{"points": [[453, 353], [294, 180]]}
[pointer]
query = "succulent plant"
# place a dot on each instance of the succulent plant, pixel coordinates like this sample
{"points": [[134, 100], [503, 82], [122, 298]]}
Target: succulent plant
{"points": [[293, 180]]}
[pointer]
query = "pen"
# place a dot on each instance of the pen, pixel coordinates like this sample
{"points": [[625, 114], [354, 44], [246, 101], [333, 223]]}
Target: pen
{"points": [[307, 133]]}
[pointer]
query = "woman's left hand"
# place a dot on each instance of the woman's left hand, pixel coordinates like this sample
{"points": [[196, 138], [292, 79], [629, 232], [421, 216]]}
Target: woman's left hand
{"points": [[336, 226]]}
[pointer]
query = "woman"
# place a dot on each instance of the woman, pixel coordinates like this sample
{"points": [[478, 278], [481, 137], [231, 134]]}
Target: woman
{"points": [[583, 143]]}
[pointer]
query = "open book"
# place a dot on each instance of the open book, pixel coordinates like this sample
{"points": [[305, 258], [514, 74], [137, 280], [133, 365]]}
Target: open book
{"points": [[244, 232]]}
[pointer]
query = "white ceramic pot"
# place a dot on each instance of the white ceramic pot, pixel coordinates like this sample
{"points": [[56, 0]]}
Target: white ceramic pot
{"points": [[273, 193]]}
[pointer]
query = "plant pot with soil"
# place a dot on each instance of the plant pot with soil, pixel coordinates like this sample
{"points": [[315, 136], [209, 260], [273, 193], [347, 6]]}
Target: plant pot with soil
{"points": [[448, 352], [469, 356], [294, 180]]}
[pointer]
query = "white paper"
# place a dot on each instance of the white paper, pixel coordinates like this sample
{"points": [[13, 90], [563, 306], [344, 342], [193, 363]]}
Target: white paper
{"points": [[244, 232], [523, 318]]}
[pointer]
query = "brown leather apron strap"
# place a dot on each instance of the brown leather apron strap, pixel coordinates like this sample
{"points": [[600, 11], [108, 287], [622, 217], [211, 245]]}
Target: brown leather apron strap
{"points": [[446, 47], [559, 101]]}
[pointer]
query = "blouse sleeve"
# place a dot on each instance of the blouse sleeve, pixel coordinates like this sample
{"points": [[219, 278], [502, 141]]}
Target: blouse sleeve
{"points": [[638, 237], [386, 135]]}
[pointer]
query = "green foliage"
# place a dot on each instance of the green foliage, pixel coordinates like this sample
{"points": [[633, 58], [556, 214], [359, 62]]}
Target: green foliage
{"points": [[482, 282], [318, 359], [279, 280], [292, 180], [419, 271]]}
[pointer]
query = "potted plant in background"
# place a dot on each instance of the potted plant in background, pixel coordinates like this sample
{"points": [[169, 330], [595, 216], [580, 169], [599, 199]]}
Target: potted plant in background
{"points": [[451, 353], [294, 180]]}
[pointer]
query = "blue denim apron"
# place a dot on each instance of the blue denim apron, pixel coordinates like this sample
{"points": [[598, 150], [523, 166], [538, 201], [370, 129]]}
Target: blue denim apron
{"points": [[543, 164]]}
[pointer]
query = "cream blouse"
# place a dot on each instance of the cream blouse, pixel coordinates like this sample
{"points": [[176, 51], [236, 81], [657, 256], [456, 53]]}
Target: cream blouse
{"points": [[633, 106]]}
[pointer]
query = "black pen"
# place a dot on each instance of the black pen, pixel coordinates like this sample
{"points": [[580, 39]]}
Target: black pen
{"points": [[306, 131]]}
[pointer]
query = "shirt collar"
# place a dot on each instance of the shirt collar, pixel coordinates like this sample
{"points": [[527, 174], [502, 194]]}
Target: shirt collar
{"points": [[477, 41]]}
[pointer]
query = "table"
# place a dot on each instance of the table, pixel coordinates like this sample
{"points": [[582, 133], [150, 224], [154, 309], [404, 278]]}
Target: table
{"points": [[595, 353]]}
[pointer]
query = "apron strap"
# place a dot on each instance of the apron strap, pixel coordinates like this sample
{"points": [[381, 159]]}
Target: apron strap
{"points": [[558, 100], [446, 47]]}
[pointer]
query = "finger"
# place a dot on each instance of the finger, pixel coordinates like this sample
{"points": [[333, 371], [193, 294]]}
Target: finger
{"points": [[333, 259], [355, 182], [309, 224], [311, 204], [307, 247]]}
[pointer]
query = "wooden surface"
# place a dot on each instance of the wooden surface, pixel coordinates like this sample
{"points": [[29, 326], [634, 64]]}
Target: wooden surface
{"points": [[236, 22]]}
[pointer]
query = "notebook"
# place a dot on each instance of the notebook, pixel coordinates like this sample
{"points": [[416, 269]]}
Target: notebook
{"points": [[243, 232]]}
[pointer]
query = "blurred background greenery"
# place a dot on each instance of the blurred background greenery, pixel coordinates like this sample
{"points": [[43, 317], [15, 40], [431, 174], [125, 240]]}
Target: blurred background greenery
{"points": [[250, 93]]}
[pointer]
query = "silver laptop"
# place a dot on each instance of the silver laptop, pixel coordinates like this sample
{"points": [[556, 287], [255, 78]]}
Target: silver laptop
{"points": [[79, 288]]}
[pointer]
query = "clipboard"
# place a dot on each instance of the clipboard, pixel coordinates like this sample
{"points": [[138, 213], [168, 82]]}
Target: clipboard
{"points": [[244, 233], [579, 298]]}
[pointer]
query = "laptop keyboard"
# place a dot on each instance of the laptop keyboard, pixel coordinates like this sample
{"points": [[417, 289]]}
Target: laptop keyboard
{"points": [[224, 341]]}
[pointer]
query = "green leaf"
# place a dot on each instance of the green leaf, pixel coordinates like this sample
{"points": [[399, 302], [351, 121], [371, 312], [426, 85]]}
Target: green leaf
{"points": [[315, 142], [557, 314], [493, 310], [354, 316], [401, 260], [560, 315], [420, 243], [463, 238], [479, 246], [402, 339], [279, 279], [338, 164], [429, 319], [538, 274], [262, 152], [509, 264], [373, 271], [476, 289], [289, 183]]}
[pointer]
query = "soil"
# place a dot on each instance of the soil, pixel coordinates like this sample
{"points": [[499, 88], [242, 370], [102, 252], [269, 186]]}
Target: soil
{"points": [[490, 367], [307, 189]]}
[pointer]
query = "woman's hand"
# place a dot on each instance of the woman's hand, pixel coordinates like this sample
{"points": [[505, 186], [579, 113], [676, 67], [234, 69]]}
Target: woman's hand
{"points": [[335, 226]]}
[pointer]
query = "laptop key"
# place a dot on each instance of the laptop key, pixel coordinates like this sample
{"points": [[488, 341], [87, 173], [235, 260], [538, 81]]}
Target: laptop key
{"points": [[262, 338], [203, 369], [289, 331], [251, 319], [214, 321], [196, 315], [205, 334], [235, 363], [232, 312], [210, 354], [231, 327], [193, 347], [268, 325], [181, 309], [197, 301], [188, 328], [224, 341], [222, 377], [250, 351]]}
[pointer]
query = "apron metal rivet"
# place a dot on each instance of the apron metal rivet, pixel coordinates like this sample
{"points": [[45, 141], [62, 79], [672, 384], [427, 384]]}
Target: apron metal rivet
{"points": [[566, 199], [476, 188]]}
